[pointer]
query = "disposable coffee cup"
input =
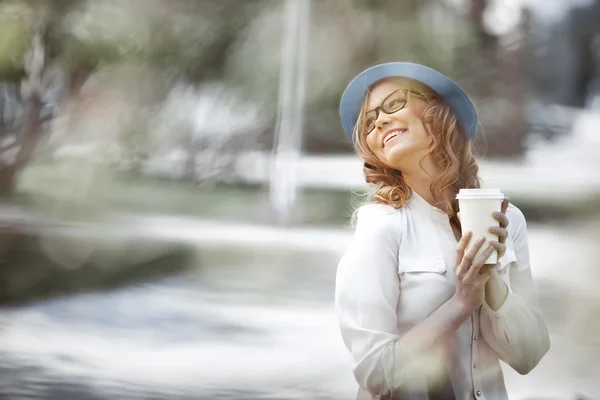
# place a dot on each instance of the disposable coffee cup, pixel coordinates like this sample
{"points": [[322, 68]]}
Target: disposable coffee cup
{"points": [[476, 208]]}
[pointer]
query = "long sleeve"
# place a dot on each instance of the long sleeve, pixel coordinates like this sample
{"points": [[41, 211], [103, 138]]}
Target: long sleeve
{"points": [[366, 295], [516, 331], [368, 290]]}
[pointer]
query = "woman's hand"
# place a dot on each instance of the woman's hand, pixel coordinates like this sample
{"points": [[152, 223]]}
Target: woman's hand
{"points": [[471, 272], [501, 231]]}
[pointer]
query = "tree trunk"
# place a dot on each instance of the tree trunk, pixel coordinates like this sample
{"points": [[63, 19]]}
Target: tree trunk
{"points": [[32, 105]]}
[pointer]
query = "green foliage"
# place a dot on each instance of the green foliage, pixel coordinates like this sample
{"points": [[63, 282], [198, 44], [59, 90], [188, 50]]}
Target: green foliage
{"points": [[15, 37]]}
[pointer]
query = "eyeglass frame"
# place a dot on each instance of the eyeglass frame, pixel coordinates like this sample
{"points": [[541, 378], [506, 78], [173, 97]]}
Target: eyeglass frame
{"points": [[381, 108]]}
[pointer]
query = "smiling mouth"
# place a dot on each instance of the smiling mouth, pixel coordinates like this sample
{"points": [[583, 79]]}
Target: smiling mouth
{"points": [[389, 136]]}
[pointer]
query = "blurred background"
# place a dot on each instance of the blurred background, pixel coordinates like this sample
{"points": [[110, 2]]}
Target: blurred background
{"points": [[176, 186]]}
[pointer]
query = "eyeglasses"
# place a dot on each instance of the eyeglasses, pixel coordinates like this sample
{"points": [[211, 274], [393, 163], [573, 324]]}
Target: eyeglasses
{"points": [[395, 102]]}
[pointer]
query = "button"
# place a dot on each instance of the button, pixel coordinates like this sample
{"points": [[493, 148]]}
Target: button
{"points": [[478, 393], [474, 365], [497, 315], [476, 337]]}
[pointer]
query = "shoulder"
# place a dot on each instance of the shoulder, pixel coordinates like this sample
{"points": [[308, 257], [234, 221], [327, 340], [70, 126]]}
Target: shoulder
{"points": [[376, 210], [378, 215], [379, 220], [515, 216]]}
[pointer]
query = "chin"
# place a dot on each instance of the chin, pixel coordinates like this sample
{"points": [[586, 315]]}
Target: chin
{"points": [[397, 153], [399, 156]]}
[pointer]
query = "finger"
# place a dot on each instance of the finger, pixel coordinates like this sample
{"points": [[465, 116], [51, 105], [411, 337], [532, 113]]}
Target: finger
{"points": [[500, 248], [500, 232], [458, 215], [504, 205], [501, 218], [478, 263], [460, 249], [467, 260], [485, 268], [486, 272]]}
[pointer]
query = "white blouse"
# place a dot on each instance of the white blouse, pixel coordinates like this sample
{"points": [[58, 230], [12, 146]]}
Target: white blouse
{"points": [[398, 269]]}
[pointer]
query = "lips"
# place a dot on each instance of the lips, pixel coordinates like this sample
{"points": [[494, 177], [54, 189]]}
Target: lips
{"points": [[390, 134]]}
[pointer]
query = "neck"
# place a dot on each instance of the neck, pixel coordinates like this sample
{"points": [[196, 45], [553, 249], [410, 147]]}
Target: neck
{"points": [[420, 185], [420, 179]]}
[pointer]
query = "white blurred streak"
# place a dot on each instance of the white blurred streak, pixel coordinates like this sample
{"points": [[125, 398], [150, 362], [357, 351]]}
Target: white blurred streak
{"points": [[138, 357], [290, 115], [501, 17]]}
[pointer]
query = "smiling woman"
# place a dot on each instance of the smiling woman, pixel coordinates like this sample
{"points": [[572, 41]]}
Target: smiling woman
{"points": [[397, 132], [421, 313]]}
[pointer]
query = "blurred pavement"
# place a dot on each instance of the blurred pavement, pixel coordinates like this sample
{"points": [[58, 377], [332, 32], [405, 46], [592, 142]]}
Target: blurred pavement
{"points": [[257, 325]]}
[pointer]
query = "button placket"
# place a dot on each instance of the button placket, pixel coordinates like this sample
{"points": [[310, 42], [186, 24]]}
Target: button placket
{"points": [[474, 356]]}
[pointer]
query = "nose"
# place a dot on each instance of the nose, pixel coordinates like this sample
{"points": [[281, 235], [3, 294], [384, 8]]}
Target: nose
{"points": [[382, 120]]}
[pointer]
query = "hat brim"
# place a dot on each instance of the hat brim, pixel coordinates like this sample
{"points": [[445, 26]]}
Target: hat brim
{"points": [[448, 90]]}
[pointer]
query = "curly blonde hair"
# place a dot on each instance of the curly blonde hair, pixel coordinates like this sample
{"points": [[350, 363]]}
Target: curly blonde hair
{"points": [[451, 151]]}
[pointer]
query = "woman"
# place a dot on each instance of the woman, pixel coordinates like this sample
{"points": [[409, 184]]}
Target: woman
{"points": [[421, 316]]}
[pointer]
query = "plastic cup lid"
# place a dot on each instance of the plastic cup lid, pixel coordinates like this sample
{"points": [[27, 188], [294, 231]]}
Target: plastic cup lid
{"points": [[465, 194]]}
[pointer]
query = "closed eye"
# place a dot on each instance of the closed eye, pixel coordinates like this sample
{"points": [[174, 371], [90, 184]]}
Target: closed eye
{"points": [[396, 104], [369, 123]]}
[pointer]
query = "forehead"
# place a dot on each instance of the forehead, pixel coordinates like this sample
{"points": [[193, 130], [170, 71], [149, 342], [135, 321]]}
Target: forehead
{"points": [[383, 88]]}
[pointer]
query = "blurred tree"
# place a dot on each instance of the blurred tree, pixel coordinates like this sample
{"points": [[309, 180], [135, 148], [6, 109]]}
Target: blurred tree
{"points": [[47, 52], [31, 85], [32, 68], [181, 40]]}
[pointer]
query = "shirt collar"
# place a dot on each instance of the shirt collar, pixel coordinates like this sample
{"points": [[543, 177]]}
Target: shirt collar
{"points": [[418, 203]]}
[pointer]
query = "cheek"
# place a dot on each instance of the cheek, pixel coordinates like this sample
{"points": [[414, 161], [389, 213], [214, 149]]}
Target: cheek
{"points": [[419, 129], [423, 133], [372, 143]]}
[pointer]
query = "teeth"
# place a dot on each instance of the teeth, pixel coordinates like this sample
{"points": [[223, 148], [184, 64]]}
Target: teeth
{"points": [[392, 135]]}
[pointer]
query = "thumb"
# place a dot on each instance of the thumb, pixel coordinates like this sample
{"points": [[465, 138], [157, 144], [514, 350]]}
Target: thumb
{"points": [[458, 215]]}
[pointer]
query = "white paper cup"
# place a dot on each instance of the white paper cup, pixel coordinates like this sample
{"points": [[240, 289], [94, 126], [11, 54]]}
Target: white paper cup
{"points": [[476, 215]]}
